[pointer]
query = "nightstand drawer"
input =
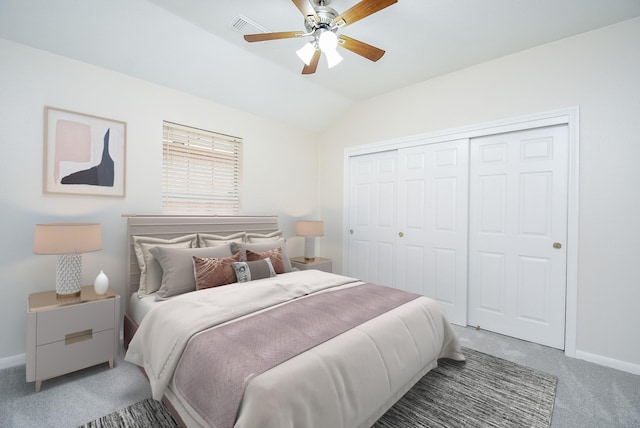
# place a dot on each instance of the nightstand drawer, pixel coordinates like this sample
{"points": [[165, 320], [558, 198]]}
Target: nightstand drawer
{"points": [[59, 324], [55, 359]]}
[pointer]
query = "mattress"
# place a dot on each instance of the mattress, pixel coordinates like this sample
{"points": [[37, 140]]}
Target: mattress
{"points": [[140, 306]]}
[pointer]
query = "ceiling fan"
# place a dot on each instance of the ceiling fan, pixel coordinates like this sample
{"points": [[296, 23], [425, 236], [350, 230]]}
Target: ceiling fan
{"points": [[323, 23]]}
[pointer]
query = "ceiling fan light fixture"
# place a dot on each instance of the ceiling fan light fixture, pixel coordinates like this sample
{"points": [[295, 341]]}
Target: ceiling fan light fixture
{"points": [[306, 52], [328, 41], [322, 23], [333, 57]]}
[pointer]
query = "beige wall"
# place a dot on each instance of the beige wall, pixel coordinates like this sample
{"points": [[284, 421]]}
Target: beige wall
{"points": [[597, 71], [279, 175]]}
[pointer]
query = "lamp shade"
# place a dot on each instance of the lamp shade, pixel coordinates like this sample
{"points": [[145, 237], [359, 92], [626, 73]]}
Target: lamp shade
{"points": [[306, 52], [67, 238], [333, 58], [328, 40], [310, 228]]}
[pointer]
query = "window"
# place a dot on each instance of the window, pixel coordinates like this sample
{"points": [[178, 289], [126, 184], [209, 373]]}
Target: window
{"points": [[201, 171]]}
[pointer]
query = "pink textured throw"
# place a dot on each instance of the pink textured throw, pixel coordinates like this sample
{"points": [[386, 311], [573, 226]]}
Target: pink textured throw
{"points": [[218, 364]]}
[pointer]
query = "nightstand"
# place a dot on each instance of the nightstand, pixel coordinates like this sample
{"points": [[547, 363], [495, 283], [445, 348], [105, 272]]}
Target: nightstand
{"points": [[65, 334], [318, 263]]}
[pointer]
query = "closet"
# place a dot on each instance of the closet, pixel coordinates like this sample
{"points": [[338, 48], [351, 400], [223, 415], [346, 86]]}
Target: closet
{"points": [[479, 224]]}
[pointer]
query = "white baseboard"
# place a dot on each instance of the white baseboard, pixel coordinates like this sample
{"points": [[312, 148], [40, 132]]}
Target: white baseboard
{"points": [[609, 362], [16, 360]]}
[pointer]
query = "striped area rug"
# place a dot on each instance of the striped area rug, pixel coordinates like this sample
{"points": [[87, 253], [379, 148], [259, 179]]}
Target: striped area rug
{"points": [[483, 391]]}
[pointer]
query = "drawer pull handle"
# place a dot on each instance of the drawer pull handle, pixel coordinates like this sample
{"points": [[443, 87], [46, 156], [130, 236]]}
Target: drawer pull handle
{"points": [[78, 336]]}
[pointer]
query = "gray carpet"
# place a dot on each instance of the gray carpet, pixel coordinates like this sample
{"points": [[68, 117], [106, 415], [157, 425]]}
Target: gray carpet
{"points": [[484, 391]]}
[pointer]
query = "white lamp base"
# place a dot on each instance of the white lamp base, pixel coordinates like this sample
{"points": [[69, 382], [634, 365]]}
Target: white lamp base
{"points": [[68, 274], [309, 248]]}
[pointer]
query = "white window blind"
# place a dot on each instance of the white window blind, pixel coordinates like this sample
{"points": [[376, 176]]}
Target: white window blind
{"points": [[201, 171]]}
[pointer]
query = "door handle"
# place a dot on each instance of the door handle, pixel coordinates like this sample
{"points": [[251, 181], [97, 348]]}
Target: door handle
{"points": [[557, 245], [401, 234]]}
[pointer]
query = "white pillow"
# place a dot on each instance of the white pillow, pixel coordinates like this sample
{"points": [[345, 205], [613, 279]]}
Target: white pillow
{"points": [[208, 240], [255, 238]]}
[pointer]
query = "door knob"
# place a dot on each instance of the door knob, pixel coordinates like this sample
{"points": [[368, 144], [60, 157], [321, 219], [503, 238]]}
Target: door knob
{"points": [[557, 245], [401, 234], [351, 231]]}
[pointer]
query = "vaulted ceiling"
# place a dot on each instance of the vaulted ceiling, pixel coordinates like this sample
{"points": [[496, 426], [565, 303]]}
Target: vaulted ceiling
{"points": [[197, 46]]}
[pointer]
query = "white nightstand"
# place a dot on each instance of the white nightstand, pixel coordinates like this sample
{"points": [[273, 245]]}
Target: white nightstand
{"points": [[318, 263], [70, 333]]}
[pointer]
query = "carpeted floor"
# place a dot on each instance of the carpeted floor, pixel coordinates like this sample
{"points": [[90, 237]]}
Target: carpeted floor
{"points": [[484, 391]]}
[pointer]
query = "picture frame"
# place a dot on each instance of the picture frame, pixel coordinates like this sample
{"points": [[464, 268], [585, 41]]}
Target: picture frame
{"points": [[83, 154]]}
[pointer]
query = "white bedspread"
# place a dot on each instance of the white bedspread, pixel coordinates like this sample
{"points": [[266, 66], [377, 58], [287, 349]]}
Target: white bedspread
{"points": [[165, 330], [346, 382]]}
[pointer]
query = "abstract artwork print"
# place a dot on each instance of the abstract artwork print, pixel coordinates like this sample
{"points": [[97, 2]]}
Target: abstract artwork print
{"points": [[84, 154]]}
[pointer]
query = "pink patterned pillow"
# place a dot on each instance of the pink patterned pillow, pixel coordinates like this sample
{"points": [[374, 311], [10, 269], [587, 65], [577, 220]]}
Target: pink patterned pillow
{"points": [[274, 255], [213, 272]]}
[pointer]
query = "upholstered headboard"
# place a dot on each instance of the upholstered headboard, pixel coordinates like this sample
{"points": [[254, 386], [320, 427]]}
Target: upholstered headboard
{"points": [[171, 226]]}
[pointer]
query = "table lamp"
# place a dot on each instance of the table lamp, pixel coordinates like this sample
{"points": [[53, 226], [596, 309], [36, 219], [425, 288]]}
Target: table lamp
{"points": [[68, 241], [309, 229]]}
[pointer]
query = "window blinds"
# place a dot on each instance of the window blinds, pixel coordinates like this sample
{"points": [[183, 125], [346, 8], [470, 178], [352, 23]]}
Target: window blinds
{"points": [[201, 171]]}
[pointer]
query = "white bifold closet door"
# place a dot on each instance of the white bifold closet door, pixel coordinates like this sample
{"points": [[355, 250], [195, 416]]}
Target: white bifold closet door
{"points": [[432, 224], [372, 217], [518, 232]]}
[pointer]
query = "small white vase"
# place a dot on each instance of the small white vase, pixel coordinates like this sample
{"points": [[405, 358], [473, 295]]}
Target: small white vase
{"points": [[101, 284]]}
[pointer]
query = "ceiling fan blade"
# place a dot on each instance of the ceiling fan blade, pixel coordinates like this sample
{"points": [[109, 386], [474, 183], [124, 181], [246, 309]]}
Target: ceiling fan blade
{"points": [[306, 9], [361, 10], [363, 49], [313, 65], [261, 37]]}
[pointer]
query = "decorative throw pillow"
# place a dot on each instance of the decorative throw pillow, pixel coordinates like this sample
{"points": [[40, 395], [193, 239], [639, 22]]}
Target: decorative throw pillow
{"points": [[250, 271], [264, 246], [208, 240], [254, 238], [275, 255], [214, 272], [177, 267], [150, 270]]}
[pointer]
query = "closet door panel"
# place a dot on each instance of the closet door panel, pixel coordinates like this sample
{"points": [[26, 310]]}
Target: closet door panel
{"points": [[517, 234], [445, 275], [414, 256], [372, 217], [432, 224]]}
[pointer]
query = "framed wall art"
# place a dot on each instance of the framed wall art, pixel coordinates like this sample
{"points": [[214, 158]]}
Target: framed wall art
{"points": [[83, 154]]}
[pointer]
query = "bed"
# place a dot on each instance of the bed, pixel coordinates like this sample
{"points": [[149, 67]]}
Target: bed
{"points": [[286, 348]]}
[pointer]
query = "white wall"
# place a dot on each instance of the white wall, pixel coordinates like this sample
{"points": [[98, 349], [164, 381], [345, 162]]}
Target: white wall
{"points": [[279, 175], [597, 71]]}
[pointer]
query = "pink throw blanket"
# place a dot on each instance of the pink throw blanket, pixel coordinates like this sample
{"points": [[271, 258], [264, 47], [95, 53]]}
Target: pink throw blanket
{"points": [[217, 364]]}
